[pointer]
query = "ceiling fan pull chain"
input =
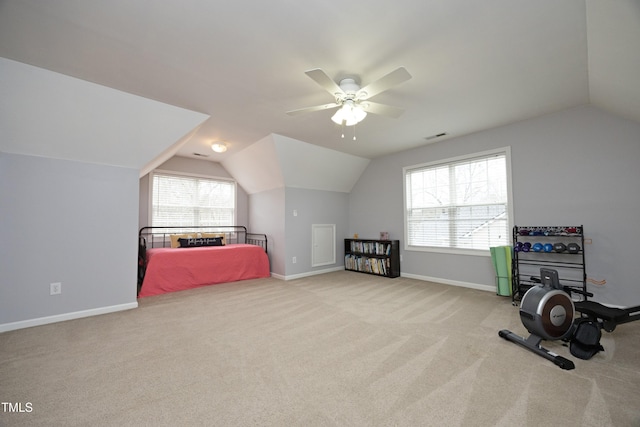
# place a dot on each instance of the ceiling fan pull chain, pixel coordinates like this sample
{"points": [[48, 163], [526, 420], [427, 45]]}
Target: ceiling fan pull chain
{"points": [[354, 132]]}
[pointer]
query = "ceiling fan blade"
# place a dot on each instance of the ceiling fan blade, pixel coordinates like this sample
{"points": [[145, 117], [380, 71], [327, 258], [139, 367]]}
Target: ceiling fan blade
{"points": [[320, 77], [397, 76], [311, 109], [381, 109]]}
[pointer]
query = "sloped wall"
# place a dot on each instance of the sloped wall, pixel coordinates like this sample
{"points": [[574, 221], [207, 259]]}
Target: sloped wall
{"points": [[277, 161], [47, 114], [282, 174], [71, 153], [317, 168]]}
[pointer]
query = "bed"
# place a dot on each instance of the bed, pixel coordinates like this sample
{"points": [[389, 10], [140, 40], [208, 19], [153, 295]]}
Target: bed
{"points": [[172, 259]]}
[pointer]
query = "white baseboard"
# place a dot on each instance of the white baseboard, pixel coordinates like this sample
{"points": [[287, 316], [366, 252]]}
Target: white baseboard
{"points": [[478, 286], [481, 287], [308, 273], [66, 316]]}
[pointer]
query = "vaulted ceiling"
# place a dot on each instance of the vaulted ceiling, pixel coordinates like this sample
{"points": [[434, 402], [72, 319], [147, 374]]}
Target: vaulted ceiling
{"points": [[475, 65]]}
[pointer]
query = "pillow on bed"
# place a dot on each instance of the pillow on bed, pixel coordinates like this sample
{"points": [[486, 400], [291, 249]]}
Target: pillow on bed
{"points": [[200, 241], [221, 236], [175, 237]]}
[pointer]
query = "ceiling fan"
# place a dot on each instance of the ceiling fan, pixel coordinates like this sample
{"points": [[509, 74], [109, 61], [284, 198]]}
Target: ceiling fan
{"points": [[352, 99]]}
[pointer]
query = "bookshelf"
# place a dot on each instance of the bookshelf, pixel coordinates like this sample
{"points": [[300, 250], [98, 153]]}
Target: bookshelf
{"points": [[378, 257]]}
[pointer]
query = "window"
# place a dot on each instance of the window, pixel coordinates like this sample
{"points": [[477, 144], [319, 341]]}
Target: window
{"points": [[459, 205], [179, 200]]}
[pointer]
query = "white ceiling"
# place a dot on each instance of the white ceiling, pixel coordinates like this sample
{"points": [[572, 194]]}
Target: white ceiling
{"points": [[475, 65]]}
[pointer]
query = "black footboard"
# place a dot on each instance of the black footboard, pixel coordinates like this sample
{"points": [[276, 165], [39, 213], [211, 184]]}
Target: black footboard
{"points": [[257, 239]]}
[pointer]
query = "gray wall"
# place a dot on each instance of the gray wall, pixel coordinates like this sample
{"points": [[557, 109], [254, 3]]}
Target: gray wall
{"points": [[272, 213], [69, 222], [313, 207], [578, 166], [266, 213]]}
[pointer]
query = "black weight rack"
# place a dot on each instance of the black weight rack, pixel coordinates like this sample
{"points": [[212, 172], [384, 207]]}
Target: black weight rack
{"points": [[532, 251]]}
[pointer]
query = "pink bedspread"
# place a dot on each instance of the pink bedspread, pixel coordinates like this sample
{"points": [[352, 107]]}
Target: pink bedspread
{"points": [[176, 269]]}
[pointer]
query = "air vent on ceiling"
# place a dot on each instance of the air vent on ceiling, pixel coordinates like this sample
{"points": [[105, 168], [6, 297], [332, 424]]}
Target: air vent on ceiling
{"points": [[200, 155], [439, 135]]}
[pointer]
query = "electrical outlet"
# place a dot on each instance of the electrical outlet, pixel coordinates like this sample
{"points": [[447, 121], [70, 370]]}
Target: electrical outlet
{"points": [[294, 260], [55, 288]]}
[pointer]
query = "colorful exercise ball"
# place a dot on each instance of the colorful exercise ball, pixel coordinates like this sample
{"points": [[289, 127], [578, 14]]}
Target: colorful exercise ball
{"points": [[537, 247], [548, 247]]}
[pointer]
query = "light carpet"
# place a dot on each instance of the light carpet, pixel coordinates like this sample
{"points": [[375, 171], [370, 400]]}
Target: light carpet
{"points": [[338, 349]]}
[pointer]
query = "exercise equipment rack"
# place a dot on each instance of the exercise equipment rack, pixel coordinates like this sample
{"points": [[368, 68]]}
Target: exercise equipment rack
{"points": [[557, 247]]}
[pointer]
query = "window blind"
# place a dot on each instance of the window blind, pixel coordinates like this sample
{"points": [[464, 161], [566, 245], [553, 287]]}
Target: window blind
{"points": [[186, 200], [461, 204]]}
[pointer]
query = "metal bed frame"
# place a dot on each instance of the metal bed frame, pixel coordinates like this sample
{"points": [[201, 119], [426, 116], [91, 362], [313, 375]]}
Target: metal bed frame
{"points": [[159, 237]]}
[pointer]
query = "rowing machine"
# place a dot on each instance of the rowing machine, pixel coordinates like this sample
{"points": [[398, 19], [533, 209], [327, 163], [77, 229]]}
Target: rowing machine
{"points": [[607, 317], [547, 313]]}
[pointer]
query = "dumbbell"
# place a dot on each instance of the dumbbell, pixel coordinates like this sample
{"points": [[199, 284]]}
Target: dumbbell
{"points": [[573, 248], [559, 247]]}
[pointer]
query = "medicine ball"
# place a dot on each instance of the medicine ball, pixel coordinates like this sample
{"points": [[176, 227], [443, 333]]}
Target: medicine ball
{"points": [[518, 246], [537, 247], [548, 247], [573, 248], [526, 247], [559, 247]]}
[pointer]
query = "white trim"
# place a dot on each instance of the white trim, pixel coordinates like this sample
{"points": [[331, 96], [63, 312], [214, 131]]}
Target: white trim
{"points": [[307, 274], [460, 251], [190, 175], [464, 157], [66, 316], [478, 286], [314, 244], [455, 251], [194, 175]]}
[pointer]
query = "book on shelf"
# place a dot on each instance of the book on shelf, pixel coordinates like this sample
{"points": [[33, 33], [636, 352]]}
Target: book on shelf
{"points": [[378, 248], [369, 265]]}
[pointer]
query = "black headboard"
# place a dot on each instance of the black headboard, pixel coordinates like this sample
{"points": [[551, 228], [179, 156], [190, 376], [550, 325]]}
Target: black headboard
{"points": [[159, 237]]}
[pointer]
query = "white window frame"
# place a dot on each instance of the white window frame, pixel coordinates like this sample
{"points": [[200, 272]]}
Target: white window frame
{"points": [[190, 175], [461, 251]]}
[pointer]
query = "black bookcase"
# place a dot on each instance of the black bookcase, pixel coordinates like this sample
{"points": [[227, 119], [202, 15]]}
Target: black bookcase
{"points": [[378, 257]]}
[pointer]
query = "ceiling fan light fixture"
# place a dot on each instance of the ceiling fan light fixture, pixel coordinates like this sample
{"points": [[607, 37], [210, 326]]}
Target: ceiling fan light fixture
{"points": [[219, 147], [349, 114]]}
